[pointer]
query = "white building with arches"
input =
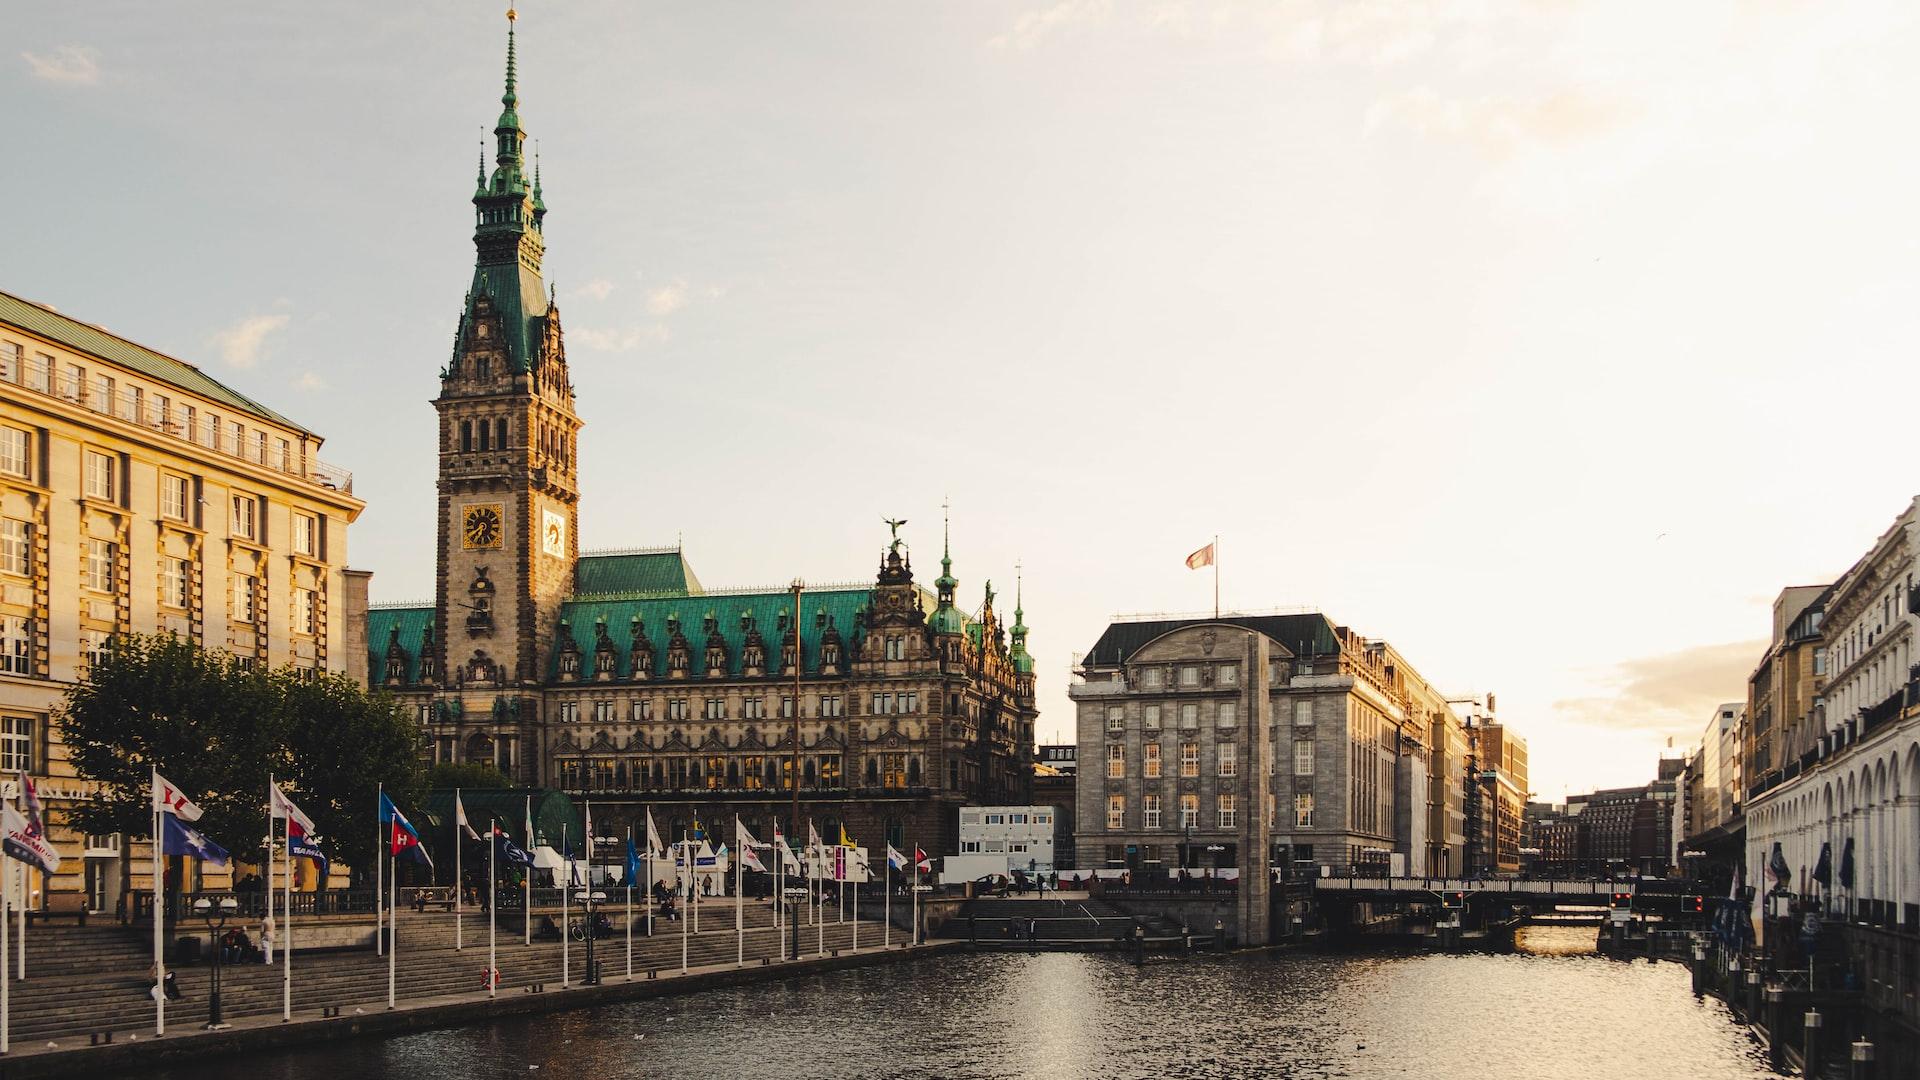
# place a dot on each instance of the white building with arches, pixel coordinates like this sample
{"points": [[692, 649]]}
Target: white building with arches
{"points": [[1860, 782]]}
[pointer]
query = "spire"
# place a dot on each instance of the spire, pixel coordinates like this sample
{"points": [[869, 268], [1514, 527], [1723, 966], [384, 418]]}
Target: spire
{"points": [[1022, 661], [945, 582], [510, 98], [480, 176], [507, 228]]}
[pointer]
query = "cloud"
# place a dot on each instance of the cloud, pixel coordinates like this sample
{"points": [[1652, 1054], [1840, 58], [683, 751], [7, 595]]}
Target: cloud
{"points": [[1033, 27], [240, 344], [75, 64], [309, 381], [1499, 126], [625, 340], [1671, 693], [667, 299], [598, 288]]}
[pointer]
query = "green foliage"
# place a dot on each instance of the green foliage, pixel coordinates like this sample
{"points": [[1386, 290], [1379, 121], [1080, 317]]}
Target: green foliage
{"points": [[478, 775], [219, 730]]}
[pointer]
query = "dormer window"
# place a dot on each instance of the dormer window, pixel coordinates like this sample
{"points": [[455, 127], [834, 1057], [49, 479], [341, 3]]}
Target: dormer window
{"points": [[569, 663]]}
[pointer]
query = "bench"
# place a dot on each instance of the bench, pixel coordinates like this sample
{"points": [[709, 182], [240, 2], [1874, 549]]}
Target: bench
{"points": [[441, 896]]}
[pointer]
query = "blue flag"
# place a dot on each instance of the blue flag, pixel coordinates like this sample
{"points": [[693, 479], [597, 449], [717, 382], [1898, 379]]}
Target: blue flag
{"points": [[404, 840], [633, 863], [182, 839], [508, 850]]}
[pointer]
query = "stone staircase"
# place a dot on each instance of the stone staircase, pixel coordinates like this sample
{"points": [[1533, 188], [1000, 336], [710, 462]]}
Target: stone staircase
{"points": [[108, 991]]}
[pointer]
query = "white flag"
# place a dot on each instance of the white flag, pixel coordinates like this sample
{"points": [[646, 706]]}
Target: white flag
{"points": [[279, 806], [460, 816], [742, 835], [654, 847], [169, 799]]}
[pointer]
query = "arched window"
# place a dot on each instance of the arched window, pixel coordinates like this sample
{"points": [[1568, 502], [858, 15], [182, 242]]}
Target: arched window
{"points": [[500, 433], [873, 773], [913, 771], [733, 773], [466, 435]]}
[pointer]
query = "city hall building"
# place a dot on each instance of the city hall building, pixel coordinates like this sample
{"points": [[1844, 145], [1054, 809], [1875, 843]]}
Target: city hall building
{"points": [[619, 676], [140, 495]]}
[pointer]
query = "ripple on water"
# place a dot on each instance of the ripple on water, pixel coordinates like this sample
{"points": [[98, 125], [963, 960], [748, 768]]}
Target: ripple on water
{"points": [[1552, 1011]]}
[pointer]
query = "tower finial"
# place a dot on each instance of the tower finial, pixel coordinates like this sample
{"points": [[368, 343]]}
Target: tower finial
{"points": [[510, 98], [945, 583]]}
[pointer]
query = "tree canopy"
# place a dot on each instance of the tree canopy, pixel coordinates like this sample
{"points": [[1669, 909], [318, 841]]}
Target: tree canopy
{"points": [[466, 774], [218, 730]]}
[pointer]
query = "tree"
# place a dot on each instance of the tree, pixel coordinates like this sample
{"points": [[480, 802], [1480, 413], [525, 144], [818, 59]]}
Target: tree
{"points": [[465, 774], [218, 730]]}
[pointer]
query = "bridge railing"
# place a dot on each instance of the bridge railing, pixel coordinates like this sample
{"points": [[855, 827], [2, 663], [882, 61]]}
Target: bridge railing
{"points": [[1382, 883]]}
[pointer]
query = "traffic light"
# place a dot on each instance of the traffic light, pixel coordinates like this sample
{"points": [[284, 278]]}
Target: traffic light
{"points": [[1697, 904], [1453, 900], [1622, 901]]}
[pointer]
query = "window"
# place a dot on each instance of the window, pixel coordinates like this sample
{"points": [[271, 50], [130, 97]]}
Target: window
{"points": [[603, 712], [753, 708], [102, 393], [100, 560], [1116, 811], [16, 645], [163, 412], [1303, 757], [1116, 718], [16, 743], [1150, 812], [136, 405], [1303, 810], [1151, 717], [16, 458], [244, 588], [1189, 759], [896, 648], [1820, 660], [1303, 712], [1152, 677], [1227, 808], [570, 712], [1228, 757], [1116, 762], [238, 446], [190, 423], [286, 455], [101, 470], [1189, 811], [10, 357], [73, 381], [716, 708], [1228, 675], [16, 547], [1189, 676], [1189, 717], [306, 535], [212, 431], [833, 705], [641, 710], [94, 646], [1152, 760], [246, 518], [175, 577], [174, 491], [677, 708], [1227, 714], [306, 617]]}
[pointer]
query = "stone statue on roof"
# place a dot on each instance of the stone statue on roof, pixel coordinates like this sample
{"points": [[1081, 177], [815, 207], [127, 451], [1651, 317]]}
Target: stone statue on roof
{"points": [[894, 524]]}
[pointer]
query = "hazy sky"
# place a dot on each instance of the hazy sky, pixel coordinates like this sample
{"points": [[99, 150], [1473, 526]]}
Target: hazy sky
{"points": [[1544, 340]]}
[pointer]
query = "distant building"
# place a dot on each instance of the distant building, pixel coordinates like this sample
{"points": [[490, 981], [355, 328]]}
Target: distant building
{"points": [[1719, 768], [1497, 801], [1063, 757], [1783, 689], [1003, 839]]}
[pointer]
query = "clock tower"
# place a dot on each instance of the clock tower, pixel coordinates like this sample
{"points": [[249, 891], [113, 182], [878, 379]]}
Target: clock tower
{"points": [[509, 482]]}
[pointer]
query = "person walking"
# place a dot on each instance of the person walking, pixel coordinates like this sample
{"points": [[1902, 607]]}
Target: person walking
{"points": [[266, 940]]}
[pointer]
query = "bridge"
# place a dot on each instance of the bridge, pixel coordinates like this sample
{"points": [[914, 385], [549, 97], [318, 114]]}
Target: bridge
{"points": [[1516, 890]]}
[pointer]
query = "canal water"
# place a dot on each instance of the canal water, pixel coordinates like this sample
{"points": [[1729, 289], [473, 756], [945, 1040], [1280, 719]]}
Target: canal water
{"points": [[1549, 1010]]}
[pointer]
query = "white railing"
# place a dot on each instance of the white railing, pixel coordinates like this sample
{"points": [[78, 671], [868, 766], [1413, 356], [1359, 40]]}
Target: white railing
{"points": [[193, 424]]}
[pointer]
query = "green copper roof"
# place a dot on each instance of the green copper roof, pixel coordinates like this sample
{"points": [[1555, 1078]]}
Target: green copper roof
{"points": [[841, 605], [635, 572], [85, 338], [413, 623]]}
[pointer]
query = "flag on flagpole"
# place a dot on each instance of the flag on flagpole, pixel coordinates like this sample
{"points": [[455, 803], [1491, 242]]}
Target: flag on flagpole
{"points": [[300, 843], [655, 849], [279, 806], [509, 850], [460, 816], [182, 840], [748, 858], [26, 834], [788, 861], [633, 863], [845, 840], [403, 839], [895, 859], [1203, 557], [168, 799], [921, 863]]}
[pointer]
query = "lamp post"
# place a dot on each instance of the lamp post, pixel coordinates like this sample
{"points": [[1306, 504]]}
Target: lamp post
{"points": [[215, 913], [799, 662]]}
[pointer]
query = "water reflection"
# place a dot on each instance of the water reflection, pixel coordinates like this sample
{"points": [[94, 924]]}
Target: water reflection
{"points": [[1551, 1010]]}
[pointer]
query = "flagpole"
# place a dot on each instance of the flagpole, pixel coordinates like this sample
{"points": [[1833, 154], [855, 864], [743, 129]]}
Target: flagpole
{"points": [[459, 885], [393, 927], [379, 883], [493, 920], [629, 904], [646, 888], [159, 919], [286, 932], [916, 895], [856, 900], [886, 900], [6, 1014], [739, 899], [684, 915], [820, 912], [526, 881], [1216, 575], [273, 808], [566, 883]]}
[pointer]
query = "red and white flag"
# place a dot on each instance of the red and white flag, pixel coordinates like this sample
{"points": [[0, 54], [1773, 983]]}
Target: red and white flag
{"points": [[921, 862], [282, 807], [1203, 557], [170, 800]]}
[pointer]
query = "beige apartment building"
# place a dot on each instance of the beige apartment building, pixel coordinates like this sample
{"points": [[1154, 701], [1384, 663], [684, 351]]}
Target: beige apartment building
{"points": [[139, 495]]}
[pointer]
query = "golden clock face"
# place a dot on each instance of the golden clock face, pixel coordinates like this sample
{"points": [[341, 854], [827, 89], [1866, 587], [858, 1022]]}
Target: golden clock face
{"points": [[481, 527]]}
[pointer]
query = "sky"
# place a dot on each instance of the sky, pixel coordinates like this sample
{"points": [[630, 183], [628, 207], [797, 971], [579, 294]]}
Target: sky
{"points": [[1546, 340]]}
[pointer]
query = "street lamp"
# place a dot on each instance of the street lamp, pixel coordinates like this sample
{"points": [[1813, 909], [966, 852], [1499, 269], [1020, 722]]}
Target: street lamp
{"points": [[215, 913], [593, 970]]}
